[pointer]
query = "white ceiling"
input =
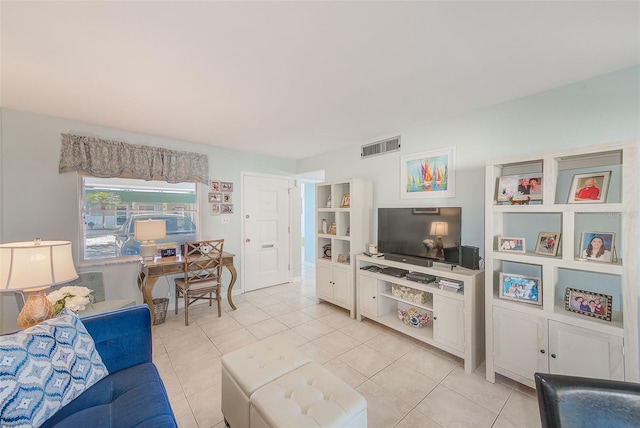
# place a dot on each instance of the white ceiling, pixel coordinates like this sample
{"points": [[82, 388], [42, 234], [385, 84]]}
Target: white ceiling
{"points": [[294, 79]]}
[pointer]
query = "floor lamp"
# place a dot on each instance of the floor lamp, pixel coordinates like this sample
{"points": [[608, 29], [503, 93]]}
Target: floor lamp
{"points": [[31, 268]]}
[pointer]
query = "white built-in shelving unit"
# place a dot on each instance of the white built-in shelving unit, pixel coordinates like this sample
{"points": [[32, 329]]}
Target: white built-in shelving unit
{"points": [[523, 338], [335, 273]]}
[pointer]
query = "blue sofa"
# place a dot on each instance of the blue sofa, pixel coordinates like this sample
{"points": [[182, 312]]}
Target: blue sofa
{"points": [[132, 395]]}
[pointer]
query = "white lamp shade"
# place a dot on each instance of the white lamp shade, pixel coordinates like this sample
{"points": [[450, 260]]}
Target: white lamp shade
{"points": [[25, 265], [439, 228], [149, 230]]}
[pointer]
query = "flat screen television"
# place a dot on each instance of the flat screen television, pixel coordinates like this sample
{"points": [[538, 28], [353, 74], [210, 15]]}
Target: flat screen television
{"points": [[417, 232]]}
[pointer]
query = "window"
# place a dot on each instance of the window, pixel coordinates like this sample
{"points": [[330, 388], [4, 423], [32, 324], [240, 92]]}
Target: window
{"points": [[110, 207]]}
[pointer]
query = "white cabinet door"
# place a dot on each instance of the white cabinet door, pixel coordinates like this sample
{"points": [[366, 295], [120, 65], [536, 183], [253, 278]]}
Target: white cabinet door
{"points": [[578, 351], [519, 342], [368, 295], [342, 290], [324, 286], [448, 322]]}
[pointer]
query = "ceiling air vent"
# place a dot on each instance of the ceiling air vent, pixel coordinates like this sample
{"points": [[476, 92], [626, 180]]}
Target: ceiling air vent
{"points": [[380, 147]]}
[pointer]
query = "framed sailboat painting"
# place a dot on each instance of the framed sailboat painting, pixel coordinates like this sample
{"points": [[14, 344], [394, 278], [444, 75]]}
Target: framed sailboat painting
{"points": [[428, 174]]}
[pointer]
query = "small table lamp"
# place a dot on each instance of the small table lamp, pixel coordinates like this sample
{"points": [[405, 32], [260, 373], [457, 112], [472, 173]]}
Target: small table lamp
{"points": [[33, 267], [148, 231], [439, 229]]}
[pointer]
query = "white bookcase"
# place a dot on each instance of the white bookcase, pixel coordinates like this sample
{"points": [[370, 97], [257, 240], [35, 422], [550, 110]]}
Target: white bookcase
{"points": [[335, 274], [456, 318], [524, 338]]}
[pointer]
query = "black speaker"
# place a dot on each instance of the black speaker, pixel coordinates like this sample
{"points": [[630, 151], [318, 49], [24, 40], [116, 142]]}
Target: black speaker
{"points": [[470, 257]]}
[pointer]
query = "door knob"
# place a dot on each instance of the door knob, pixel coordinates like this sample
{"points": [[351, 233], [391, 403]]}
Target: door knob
{"points": [[247, 216], [553, 355], [542, 351], [247, 240]]}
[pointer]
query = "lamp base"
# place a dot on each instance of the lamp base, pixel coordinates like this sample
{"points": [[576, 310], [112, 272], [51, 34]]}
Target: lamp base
{"points": [[439, 247], [36, 309], [148, 249]]}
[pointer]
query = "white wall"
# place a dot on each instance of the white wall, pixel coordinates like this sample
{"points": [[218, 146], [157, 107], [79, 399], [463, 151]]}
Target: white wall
{"points": [[595, 111], [37, 201]]}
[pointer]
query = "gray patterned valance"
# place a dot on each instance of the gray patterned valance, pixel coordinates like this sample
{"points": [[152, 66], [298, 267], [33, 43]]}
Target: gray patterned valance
{"points": [[103, 158]]}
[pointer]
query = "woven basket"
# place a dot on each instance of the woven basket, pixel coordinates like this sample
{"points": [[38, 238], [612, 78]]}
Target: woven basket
{"points": [[160, 306]]}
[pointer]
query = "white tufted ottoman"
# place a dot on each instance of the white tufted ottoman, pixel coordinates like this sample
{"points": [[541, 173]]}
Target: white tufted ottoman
{"points": [[309, 396], [247, 369]]}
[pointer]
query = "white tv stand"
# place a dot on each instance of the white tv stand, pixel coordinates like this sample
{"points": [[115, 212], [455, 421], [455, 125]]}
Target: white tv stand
{"points": [[457, 319]]}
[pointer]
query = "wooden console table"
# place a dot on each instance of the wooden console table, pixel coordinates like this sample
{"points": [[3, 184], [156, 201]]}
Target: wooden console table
{"points": [[151, 270]]}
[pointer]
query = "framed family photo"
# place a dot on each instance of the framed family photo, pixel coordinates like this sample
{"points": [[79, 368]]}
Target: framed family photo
{"points": [[511, 245], [428, 174], [346, 201], [547, 243], [520, 187], [215, 197], [597, 246], [589, 188], [588, 303], [520, 288]]}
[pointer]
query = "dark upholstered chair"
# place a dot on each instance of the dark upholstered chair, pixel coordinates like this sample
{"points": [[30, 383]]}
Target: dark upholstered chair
{"points": [[570, 401]]}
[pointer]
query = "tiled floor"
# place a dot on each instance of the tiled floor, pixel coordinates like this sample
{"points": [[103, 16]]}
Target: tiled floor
{"points": [[405, 382]]}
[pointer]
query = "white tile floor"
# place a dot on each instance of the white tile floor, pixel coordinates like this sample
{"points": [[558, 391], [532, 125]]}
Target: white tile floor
{"points": [[405, 382]]}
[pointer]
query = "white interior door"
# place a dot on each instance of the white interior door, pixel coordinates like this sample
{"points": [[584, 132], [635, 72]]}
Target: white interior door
{"points": [[266, 231]]}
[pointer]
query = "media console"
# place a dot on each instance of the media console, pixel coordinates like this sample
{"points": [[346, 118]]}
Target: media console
{"points": [[456, 319]]}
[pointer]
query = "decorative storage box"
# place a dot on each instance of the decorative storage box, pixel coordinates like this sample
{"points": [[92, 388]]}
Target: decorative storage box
{"points": [[413, 318], [411, 294]]}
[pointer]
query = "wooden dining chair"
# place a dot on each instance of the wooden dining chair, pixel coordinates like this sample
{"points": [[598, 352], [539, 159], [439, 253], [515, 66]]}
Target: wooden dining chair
{"points": [[202, 274]]}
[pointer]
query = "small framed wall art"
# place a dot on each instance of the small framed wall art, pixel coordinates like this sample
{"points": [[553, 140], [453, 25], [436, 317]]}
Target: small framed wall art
{"points": [[428, 174], [215, 197]]}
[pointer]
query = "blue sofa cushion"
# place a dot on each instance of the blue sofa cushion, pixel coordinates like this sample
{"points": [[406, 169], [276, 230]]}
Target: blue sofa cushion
{"points": [[44, 367], [133, 397]]}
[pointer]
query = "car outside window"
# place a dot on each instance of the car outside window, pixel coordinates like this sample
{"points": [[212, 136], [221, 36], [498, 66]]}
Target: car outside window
{"points": [[110, 207]]}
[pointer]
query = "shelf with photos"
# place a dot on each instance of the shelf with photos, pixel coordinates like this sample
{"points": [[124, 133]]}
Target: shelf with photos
{"points": [[565, 245]]}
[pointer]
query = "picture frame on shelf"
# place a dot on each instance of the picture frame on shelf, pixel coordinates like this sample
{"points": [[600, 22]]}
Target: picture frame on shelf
{"points": [[588, 303], [428, 174], [520, 187], [520, 288], [215, 197], [511, 245], [548, 243], [346, 201], [597, 246], [332, 228], [589, 188]]}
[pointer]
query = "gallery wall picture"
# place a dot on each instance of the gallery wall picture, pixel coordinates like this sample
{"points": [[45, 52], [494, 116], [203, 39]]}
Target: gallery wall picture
{"points": [[220, 197]]}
